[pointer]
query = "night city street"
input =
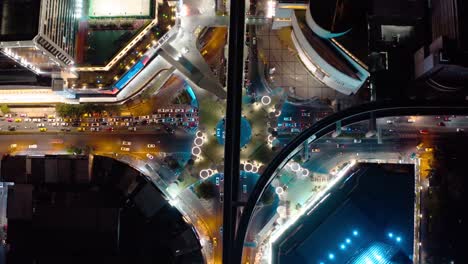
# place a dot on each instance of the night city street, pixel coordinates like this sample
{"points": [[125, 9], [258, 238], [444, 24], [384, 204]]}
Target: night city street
{"points": [[233, 132]]}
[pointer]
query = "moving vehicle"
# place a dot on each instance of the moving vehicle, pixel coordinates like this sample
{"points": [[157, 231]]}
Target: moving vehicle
{"points": [[424, 132], [126, 143], [124, 149]]}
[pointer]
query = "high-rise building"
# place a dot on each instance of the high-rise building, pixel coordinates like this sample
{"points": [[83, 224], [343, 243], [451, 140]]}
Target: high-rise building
{"points": [[331, 43], [449, 19], [40, 34], [442, 64]]}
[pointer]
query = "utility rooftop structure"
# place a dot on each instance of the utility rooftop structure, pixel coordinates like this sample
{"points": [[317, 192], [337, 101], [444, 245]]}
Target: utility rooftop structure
{"points": [[40, 34]]}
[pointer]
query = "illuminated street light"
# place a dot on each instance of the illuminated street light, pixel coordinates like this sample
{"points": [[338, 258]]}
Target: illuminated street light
{"points": [[198, 141], [295, 167], [196, 151], [281, 210], [204, 174], [279, 190], [248, 167], [266, 100], [270, 138]]}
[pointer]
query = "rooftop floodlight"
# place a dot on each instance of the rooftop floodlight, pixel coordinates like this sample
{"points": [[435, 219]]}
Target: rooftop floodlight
{"points": [[390, 235], [342, 246], [398, 239], [331, 256], [355, 233], [348, 241]]}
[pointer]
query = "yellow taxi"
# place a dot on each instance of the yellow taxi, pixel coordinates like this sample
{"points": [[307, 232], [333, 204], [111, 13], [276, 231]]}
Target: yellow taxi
{"points": [[429, 149], [81, 129], [42, 129]]}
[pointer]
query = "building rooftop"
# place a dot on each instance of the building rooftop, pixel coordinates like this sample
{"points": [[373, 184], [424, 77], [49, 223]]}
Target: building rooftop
{"points": [[19, 19], [335, 16], [373, 208], [325, 49]]}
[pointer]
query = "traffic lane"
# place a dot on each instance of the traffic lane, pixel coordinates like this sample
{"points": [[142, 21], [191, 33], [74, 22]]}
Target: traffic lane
{"points": [[431, 121], [155, 128], [167, 143], [215, 43], [330, 156]]}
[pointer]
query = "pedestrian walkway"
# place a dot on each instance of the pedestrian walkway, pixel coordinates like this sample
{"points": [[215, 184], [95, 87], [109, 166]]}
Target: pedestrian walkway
{"points": [[284, 68], [31, 96]]}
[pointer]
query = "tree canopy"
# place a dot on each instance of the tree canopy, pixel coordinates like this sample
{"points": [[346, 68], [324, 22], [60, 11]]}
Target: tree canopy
{"points": [[206, 190]]}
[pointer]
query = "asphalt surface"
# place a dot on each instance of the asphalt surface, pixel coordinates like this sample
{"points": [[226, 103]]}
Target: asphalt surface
{"points": [[102, 142]]}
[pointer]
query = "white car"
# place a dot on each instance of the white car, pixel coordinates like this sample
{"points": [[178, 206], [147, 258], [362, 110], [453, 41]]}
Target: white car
{"points": [[151, 145], [32, 146], [126, 143], [124, 149], [389, 121], [149, 156], [40, 125]]}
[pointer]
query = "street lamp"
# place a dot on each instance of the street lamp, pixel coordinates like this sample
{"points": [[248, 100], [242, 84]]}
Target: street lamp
{"points": [[266, 100], [279, 190], [196, 151], [204, 174]]}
